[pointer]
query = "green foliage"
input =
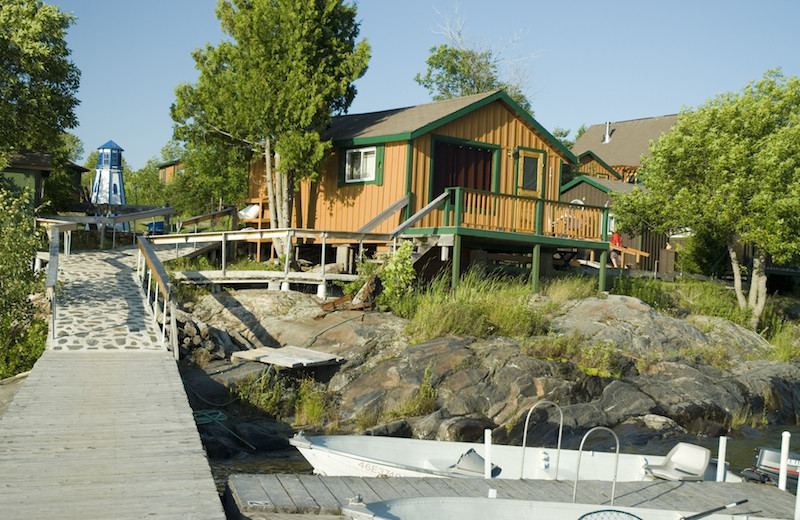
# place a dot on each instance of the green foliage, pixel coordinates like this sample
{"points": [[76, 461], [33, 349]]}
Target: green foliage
{"points": [[597, 359], [283, 69], [398, 276], [60, 191], [729, 170], [312, 405], [423, 402], [22, 335], [648, 290], [457, 69], [573, 287], [39, 82], [365, 269], [479, 306], [264, 393]]}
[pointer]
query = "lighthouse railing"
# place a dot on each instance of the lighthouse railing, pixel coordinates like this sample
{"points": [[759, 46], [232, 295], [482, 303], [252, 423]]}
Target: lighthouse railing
{"points": [[159, 293]]}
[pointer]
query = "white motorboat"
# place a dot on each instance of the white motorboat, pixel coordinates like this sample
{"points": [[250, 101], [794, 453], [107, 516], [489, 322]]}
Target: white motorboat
{"points": [[370, 456], [365, 456], [471, 508]]}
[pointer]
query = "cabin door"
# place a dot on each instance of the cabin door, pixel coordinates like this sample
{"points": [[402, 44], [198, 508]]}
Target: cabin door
{"points": [[530, 180], [461, 165]]}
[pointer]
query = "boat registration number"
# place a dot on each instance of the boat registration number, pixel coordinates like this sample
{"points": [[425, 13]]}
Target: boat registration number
{"points": [[378, 470]]}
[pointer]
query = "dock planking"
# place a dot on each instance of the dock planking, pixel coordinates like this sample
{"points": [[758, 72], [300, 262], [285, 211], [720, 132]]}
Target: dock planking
{"points": [[331, 493]]}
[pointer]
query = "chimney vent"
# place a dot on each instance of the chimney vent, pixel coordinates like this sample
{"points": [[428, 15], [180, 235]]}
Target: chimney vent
{"points": [[607, 136]]}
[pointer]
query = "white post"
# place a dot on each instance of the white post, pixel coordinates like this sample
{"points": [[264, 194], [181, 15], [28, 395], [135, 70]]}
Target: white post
{"points": [[224, 252], [723, 448], [487, 458], [287, 252], [797, 501], [785, 436]]}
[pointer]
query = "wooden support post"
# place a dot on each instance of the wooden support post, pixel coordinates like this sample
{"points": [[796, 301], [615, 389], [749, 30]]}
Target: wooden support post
{"points": [[602, 281], [456, 261], [535, 267]]}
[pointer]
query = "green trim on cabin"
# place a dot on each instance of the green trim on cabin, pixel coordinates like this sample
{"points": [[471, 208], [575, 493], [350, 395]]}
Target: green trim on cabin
{"points": [[378, 180], [523, 238], [370, 141], [496, 149], [588, 179], [517, 166], [601, 161], [430, 127], [409, 175]]}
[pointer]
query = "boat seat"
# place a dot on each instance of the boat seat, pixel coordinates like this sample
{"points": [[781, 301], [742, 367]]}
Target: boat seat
{"points": [[684, 461]]}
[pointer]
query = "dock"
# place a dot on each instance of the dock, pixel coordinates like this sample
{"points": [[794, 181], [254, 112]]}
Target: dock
{"points": [[303, 497], [102, 426]]}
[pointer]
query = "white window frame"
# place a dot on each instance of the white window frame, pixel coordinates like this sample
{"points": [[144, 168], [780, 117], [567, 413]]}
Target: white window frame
{"points": [[367, 164]]}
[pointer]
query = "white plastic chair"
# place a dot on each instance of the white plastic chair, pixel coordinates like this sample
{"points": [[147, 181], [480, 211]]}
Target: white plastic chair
{"points": [[683, 462]]}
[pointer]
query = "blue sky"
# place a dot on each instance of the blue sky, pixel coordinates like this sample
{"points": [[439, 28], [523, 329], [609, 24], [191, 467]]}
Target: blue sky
{"points": [[592, 61]]}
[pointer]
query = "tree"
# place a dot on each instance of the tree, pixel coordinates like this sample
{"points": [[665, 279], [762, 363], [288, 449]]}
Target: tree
{"points": [[458, 68], [287, 67], [38, 82], [59, 189], [22, 335], [730, 169]]}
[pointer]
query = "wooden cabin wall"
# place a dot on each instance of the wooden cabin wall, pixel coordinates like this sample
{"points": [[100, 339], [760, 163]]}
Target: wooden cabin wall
{"points": [[492, 124], [590, 195], [595, 169], [326, 205]]}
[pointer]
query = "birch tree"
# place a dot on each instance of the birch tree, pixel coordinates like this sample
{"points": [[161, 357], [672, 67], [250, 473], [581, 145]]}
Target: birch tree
{"points": [[731, 169], [285, 68]]}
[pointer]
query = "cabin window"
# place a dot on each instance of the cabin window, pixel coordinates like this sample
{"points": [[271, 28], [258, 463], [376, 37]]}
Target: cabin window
{"points": [[530, 173], [360, 165]]}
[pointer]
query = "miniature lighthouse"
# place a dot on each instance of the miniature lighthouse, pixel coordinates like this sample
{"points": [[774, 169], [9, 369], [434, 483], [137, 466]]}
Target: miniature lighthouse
{"points": [[108, 187]]}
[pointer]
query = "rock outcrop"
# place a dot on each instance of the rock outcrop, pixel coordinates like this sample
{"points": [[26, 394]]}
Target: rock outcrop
{"points": [[491, 383]]}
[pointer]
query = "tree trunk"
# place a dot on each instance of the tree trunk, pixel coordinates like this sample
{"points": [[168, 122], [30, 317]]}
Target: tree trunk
{"points": [[758, 289], [737, 276]]}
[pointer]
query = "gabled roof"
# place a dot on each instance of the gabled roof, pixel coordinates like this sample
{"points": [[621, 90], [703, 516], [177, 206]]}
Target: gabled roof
{"points": [[630, 140], [604, 185], [403, 124], [600, 161], [31, 160]]}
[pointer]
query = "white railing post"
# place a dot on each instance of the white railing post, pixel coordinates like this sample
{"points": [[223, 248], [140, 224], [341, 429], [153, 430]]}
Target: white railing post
{"points": [[164, 322], [785, 436], [721, 453], [224, 251]]}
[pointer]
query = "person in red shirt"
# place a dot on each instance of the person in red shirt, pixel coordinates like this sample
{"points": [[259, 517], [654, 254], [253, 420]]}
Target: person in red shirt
{"points": [[616, 255]]}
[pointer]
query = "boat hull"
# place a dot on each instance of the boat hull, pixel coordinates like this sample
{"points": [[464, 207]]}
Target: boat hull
{"points": [[367, 456]]}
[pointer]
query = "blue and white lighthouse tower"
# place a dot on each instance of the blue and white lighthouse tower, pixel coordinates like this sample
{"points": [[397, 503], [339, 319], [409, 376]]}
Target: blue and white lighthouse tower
{"points": [[107, 187]]}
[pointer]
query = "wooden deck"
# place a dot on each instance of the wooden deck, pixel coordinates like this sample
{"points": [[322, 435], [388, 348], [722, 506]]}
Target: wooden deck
{"points": [[102, 427], [291, 497]]}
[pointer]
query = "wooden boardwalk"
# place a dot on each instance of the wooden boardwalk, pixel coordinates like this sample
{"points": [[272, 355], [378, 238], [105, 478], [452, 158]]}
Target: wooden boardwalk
{"points": [[291, 497], [102, 427]]}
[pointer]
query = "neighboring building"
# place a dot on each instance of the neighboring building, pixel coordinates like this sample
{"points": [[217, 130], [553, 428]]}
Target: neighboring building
{"points": [[622, 145], [597, 192], [168, 170], [28, 170], [108, 186], [494, 171]]}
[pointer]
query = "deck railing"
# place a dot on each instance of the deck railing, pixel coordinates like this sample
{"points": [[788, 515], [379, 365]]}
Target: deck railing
{"points": [[512, 213], [157, 283]]}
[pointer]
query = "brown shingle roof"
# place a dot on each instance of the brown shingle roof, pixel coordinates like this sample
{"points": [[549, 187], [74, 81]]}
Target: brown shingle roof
{"points": [[399, 121], [629, 141]]}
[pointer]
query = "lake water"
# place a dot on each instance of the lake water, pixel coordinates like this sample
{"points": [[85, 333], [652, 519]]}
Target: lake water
{"points": [[740, 454]]}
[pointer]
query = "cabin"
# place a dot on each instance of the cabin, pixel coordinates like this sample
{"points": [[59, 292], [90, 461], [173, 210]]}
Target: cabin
{"points": [[168, 170], [620, 145], [30, 170], [471, 180], [598, 191]]}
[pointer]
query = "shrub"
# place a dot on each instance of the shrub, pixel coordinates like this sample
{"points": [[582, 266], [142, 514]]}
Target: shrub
{"points": [[23, 333], [311, 404]]}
